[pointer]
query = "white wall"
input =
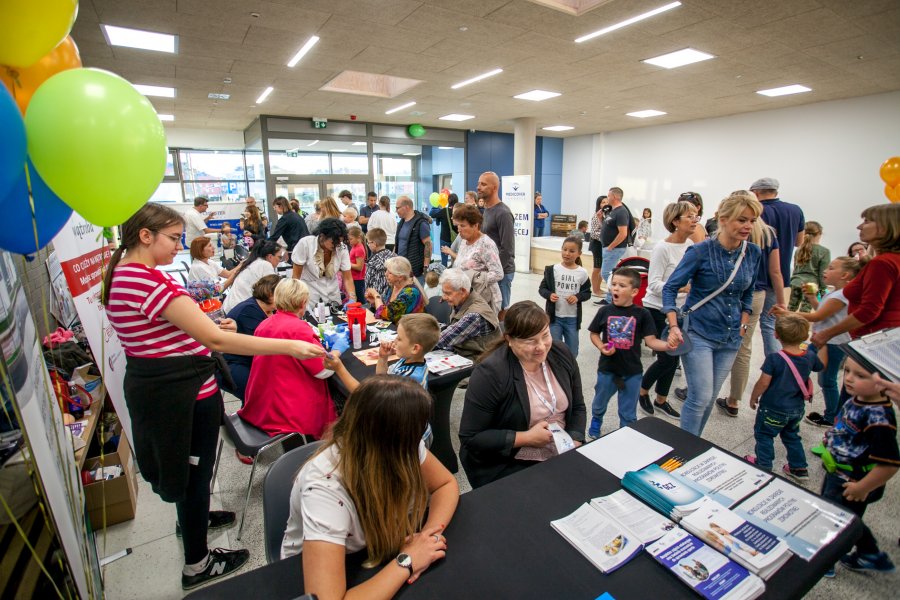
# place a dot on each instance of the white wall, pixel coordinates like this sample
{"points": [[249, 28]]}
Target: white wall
{"points": [[204, 139], [825, 155]]}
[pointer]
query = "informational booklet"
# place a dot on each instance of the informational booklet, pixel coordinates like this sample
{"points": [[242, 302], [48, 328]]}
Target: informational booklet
{"points": [[726, 478], [624, 508], [624, 450], [667, 493], [759, 551], [804, 521], [441, 361], [707, 572], [603, 541]]}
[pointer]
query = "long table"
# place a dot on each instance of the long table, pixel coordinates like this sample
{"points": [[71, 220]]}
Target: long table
{"points": [[501, 544]]}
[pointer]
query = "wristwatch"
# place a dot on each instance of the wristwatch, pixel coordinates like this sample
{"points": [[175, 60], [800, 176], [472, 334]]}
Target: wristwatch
{"points": [[406, 562]]}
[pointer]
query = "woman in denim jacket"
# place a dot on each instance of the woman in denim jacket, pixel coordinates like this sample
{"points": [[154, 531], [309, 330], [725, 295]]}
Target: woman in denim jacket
{"points": [[716, 327]]}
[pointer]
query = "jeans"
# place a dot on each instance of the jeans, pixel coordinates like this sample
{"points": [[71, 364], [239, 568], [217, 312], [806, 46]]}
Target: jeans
{"points": [[628, 397], [828, 381], [506, 289], [446, 259], [740, 372], [705, 368], [833, 489], [662, 371], [565, 330], [770, 423], [767, 325], [608, 264]]}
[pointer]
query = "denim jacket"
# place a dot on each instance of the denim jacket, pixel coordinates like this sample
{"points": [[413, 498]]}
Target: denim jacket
{"points": [[707, 265]]}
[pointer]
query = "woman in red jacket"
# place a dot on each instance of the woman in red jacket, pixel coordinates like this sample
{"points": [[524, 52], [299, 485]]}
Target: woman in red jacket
{"points": [[874, 295]]}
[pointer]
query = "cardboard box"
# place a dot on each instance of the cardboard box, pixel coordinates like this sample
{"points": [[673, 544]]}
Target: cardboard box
{"points": [[120, 494]]}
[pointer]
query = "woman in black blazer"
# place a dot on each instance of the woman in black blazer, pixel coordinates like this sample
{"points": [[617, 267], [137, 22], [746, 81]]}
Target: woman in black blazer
{"points": [[521, 386]]}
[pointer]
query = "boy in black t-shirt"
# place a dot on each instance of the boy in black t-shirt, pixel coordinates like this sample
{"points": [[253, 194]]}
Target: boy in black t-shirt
{"points": [[617, 330]]}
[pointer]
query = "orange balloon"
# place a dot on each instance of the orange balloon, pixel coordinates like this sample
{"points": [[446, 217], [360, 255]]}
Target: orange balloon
{"points": [[890, 171], [23, 82], [890, 194]]}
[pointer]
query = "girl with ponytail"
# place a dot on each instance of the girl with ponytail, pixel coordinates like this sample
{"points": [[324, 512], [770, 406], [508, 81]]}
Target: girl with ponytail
{"points": [[810, 263]]}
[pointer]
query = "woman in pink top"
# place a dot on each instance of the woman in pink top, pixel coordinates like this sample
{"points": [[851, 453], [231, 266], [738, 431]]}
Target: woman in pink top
{"points": [[286, 395], [170, 386]]}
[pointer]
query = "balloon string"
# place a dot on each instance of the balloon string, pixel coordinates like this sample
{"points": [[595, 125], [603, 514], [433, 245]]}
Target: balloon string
{"points": [[34, 228]]}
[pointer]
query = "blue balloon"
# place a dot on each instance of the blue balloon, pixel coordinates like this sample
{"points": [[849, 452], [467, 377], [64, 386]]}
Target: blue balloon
{"points": [[12, 142], [50, 214]]}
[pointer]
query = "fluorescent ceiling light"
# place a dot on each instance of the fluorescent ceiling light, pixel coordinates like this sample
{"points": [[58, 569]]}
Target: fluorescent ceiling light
{"points": [[410, 154], [456, 117], [155, 90], [628, 22], [359, 143], [643, 114], [302, 51], [399, 108], [785, 91], [537, 95], [166, 117], [474, 79], [558, 128], [446, 147], [264, 95], [673, 60], [313, 143], [143, 40]]}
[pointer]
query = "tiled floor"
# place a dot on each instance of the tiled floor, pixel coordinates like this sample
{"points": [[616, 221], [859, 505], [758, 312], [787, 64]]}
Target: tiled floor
{"points": [[153, 569]]}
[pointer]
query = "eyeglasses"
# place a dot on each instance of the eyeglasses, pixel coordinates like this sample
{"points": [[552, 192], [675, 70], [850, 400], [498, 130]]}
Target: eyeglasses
{"points": [[688, 196], [175, 237]]}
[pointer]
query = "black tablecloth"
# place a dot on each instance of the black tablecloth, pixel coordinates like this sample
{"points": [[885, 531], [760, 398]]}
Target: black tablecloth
{"points": [[501, 544]]}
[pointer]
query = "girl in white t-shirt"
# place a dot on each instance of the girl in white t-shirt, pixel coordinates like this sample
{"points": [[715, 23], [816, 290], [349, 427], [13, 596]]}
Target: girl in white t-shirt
{"points": [[358, 466], [566, 286], [828, 311]]}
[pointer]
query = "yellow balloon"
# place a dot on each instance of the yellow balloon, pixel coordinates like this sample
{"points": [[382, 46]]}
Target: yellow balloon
{"points": [[30, 29]]}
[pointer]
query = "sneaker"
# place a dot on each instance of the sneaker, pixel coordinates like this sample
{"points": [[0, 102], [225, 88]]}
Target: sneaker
{"points": [[221, 562], [681, 393], [646, 404], [601, 302], [798, 473], [829, 573], [750, 459], [594, 429], [666, 409], [818, 420], [218, 519], [731, 411], [868, 562], [247, 460]]}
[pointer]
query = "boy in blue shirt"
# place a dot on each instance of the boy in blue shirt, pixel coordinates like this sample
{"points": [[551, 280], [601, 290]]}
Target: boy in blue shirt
{"points": [[780, 393]]}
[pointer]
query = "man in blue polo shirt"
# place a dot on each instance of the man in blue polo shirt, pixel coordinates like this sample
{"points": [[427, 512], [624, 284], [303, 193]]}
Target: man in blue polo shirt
{"points": [[788, 222]]}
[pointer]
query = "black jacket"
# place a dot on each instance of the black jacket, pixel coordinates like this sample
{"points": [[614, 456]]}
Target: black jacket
{"points": [[548, 286], [292, 227], [160, 394], [415, 247], [497, 406]]}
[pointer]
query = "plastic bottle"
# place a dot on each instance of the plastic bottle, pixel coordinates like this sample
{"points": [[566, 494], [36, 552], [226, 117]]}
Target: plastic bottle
{"points": [[357, 336], [320, 312]]}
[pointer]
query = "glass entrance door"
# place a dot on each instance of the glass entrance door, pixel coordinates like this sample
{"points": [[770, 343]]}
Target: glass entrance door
{"points": [[305, 193], [358, 189]]}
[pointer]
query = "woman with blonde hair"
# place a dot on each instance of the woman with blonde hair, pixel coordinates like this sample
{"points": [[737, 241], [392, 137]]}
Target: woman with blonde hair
{"points": [[722, 272], [328, 209], [810, 263], [364, 490], [407, 295]]}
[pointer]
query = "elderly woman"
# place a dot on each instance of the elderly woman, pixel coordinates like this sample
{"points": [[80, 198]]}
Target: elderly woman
{"points": [[696, 199], [203, 267], [407, 296], [521, 387], [473, 323], [722, 273], [262, 261], [478, 255], [319, 258], [286, 395]]}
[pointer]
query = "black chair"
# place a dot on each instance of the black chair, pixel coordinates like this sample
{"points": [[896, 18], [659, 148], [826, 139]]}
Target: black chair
{"points": [[249, 441], [277, 496], [438, 309]]}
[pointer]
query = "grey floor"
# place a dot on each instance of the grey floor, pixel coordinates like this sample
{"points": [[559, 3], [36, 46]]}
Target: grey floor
{"points": [[153, 569]]}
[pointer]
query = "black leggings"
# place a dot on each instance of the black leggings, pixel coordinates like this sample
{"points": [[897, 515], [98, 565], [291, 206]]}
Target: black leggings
{"points": [[662, 371], [193, 511]]}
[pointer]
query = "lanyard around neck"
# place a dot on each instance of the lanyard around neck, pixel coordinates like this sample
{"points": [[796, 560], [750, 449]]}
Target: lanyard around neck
{"points": [[540, 396]]}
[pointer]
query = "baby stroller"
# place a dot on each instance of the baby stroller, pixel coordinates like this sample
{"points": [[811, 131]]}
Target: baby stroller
{"points": [[642, 266]]}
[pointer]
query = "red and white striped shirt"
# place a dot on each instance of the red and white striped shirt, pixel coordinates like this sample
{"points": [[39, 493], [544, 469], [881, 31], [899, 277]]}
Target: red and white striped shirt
{"points": [[137, 297]]}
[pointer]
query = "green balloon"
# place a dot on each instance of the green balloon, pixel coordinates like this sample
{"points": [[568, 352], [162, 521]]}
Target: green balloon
{"points": [[97, 143], [434, 198], [415, 130]]}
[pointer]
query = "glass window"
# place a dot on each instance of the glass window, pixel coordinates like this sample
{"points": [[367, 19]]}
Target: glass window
{"points": [[358, 190], [212, 165], [255, 167], [349, 164], [167, 192], [216, 191], [170, 165], [258, 191], [395, 167], [303, 163]]}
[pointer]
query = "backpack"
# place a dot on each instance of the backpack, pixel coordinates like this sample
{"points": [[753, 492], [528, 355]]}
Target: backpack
{"points": [[632, 227]]}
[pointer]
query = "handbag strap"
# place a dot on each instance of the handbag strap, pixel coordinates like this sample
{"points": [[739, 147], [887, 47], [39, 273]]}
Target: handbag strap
{"points": [[807, 391], [728, 281]]}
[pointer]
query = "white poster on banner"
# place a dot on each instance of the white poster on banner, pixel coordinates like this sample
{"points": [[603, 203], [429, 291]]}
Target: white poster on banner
{"points": [[82, 252], [517, 196], [26, 374]]}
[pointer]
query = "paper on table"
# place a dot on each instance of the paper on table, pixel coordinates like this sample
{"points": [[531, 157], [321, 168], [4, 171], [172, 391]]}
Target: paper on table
{"points": [[624, 450]]}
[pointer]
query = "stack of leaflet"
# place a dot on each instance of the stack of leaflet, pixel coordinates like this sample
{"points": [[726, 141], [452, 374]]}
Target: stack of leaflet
{"points": [[756, 549], [710, 574], [727, 479], [605, 542], [670, 495]]}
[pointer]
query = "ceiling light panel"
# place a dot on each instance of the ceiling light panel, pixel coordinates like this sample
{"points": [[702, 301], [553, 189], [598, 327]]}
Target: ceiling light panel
{"points": [[142, 40], [643, 114], [558, 128], [785, 91], [399, 108], [537, 95], [163, 117], [475, 79], [456, 117], [155, 90], [673, 60], [628, 22], [303, 50], [264, 95]]}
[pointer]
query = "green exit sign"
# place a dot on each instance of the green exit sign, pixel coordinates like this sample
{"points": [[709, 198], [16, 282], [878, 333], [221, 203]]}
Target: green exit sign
{"points": [[319, 123]]}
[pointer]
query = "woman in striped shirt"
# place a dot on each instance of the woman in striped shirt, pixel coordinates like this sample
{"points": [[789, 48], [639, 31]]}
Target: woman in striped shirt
{"points": [[170, 386]]}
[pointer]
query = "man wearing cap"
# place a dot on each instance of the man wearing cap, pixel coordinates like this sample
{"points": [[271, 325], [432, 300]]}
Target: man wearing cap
{"points": [[788, 222]]}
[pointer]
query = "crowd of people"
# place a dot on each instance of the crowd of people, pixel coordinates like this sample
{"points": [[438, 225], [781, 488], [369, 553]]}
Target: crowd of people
{"points": [[696, 305]]}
